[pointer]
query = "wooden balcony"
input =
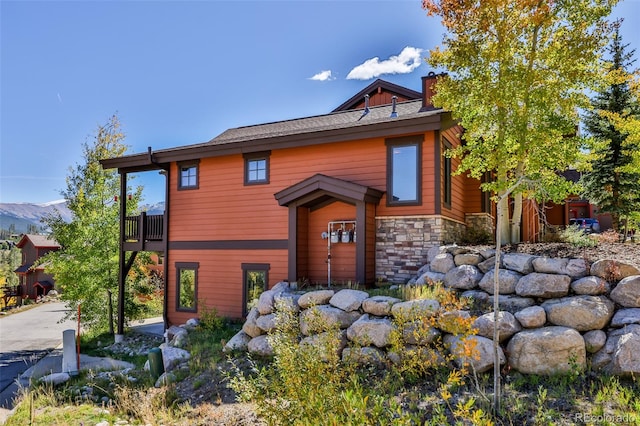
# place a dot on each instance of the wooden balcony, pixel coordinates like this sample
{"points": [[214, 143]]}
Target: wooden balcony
{"points": [[144, 232]]}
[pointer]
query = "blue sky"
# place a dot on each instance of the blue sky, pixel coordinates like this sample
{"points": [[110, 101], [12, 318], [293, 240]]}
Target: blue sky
{"points": [[181, 72]]}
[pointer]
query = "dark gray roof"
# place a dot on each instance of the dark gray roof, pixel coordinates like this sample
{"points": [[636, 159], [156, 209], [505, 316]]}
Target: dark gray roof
{"points": [[332, 121], [334, 126]]}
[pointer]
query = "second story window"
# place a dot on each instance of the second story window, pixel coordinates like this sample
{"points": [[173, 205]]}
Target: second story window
{"points": [[188, 176], [404, 163], [256, 168]]}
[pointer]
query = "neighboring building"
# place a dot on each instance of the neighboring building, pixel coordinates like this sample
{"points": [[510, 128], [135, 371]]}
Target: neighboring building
{"points": [[34, 281], [356, 195]]}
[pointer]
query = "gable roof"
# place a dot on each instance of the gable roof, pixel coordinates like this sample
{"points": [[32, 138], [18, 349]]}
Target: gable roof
{"points": [[378, 86], [39, 241]]}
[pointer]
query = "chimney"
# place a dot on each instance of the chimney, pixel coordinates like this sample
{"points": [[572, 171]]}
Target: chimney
{"points": [[428, 90]]}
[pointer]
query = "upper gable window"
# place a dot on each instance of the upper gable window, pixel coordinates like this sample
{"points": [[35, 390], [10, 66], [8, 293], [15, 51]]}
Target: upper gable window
{"points": [[188, 176], [404, 166], [256, 168]]}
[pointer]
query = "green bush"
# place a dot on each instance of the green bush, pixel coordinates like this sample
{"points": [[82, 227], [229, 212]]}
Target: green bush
{"points": [[573, 235]]}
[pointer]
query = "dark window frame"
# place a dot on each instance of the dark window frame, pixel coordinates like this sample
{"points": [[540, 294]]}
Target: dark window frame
{"points": [[446, 174], [256, 156], [180, 266], [252, 267], [416, 141], [486, 204], [188, 164]]}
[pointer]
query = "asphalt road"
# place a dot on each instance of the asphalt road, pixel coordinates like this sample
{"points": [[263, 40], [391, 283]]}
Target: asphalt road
{"points": [[26, 337]]}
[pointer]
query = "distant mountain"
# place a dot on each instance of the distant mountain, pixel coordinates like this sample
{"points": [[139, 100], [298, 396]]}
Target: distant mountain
{"points": [[25, 215]]}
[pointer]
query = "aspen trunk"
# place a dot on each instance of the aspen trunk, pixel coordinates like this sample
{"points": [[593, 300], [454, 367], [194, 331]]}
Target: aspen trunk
{"points": [[516, 218]]}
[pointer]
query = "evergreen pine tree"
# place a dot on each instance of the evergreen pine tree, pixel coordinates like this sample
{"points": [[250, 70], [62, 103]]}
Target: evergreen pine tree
{"points": [[610, 184]]}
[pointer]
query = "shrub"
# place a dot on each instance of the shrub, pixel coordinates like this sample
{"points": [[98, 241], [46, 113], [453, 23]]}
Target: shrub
{"points": [[574, 236]]}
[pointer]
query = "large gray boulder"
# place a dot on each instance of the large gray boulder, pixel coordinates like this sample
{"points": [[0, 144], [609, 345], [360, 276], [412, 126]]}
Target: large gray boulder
{"points": [[519, 262], [550, 265], [430, 277], [546, 286], [508, 325], [415, 309], [627, 292], [590, 285], [507, 281], [266, 323], [419, 333], [250, 327], [348, 300], [582, 313], [468, 259], [613, 270], [260, 346], [239, 342], [547, 351], [379, 305], [327, 344], [324, 317], [626, 317], [463, 277], [483, 357], [531, 317], [370, 331], [442, 263], [577, 268], [313, 298], [619, 355]]}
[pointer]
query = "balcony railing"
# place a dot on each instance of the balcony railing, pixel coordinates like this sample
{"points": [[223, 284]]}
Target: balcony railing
{"points": [[144, 228]]}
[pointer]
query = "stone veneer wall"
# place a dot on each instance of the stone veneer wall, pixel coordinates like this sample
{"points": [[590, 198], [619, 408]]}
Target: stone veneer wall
{"points": [[483, 221], [402, 243], [556, 314]]}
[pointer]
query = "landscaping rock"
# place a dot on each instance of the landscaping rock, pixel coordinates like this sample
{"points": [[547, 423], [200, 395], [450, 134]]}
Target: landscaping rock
{"points": [[582, 313], [625, 317], [521, 263], [415, 309], [549, 265], [547, 351], [321, 318], [260, 346], [489, 264], [314, 298], [370, 331], [55, 379], [379, 305], [546, 286], [481, 360], [577, 268], [419, 333], [442, 263], [348, 300], [467, 259], [454, 322], [508, 325], [367, 355], [619, 355], [507, 281], [590, 285], [328, 345], [266, 323], [463, 277], [250, 327], [594, 340], [612, 270], [531, 317], [172, 356], [239, 342], [627, 292], [430, 277]]}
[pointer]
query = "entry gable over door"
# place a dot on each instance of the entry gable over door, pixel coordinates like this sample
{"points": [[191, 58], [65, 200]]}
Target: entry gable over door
{"points": [[318, 191], [319, 187]]}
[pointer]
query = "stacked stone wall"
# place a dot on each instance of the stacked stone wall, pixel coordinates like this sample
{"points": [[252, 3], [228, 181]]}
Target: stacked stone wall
{"points": [[556, 314]]}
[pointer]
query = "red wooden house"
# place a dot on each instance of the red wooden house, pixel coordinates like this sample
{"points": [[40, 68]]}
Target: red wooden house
{"points": [[34, 281], [355, 195]]}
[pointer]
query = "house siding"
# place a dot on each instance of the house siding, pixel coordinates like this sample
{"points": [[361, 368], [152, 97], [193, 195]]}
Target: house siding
{"points": [[219, 223]]}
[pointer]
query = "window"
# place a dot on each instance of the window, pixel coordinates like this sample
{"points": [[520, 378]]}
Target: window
{"points": [[256, 166], [187, 287], [446, 178], [486, 195], [404, 164], [188, 177], [255, 277]]}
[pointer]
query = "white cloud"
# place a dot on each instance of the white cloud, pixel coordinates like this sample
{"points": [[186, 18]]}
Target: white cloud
{"points": [[408, 60], [323, 76]]}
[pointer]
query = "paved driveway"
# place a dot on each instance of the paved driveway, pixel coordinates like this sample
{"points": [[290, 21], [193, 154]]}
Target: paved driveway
{"points": [[25, 337]]}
